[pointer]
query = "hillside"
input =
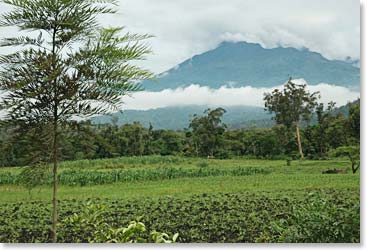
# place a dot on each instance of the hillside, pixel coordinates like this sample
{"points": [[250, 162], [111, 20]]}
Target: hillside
{"points": [[178, 118], [240, 64]]}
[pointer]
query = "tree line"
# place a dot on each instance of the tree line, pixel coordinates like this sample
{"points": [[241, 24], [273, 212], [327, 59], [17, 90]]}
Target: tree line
{"points": [[207, 136]]}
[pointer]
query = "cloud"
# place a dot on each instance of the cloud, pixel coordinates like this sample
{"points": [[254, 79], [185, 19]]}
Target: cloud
{"points": [[227, 96], [184, 28]]}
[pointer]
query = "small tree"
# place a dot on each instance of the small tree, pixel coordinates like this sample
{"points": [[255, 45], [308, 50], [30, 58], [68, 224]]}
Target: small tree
{"points": [[353, 154], [73, 68], [324, 118], [292, 105], [208, 131]]}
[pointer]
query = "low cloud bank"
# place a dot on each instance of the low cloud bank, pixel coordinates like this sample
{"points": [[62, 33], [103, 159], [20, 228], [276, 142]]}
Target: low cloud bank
{"points": [[228, 96]]}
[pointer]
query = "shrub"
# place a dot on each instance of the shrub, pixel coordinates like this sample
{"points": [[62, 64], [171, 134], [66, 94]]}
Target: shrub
{"points": [[202, 164], [328, 216], [90, 226]]}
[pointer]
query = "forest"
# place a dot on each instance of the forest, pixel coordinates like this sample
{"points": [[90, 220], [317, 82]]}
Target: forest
{"points": [[207, 136]]}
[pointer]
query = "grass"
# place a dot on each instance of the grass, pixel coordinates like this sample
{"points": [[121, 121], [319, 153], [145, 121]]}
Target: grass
{"points": [[300, 176], [298, 182], [273, 184]]}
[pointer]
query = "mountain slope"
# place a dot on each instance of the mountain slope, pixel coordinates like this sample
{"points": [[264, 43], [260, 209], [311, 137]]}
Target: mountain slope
{"points": [[241, 64], [178, 118]]}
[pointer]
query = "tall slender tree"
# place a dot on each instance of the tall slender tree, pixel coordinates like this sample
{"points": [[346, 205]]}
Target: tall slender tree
{"points": [[68, 67], [292, 105]]}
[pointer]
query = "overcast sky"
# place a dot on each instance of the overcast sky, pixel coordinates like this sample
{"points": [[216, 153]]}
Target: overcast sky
{"points": [[224, 96], [183, 28]]}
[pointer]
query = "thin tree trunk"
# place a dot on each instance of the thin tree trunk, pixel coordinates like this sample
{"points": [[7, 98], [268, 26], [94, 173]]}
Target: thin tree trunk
{"points": [[55, 147], [355, 165], [55, 187], [299, 140]]}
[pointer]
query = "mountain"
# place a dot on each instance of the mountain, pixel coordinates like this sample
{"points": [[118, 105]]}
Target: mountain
{"points": [[242, 64], [238, 64], [178, 118]]}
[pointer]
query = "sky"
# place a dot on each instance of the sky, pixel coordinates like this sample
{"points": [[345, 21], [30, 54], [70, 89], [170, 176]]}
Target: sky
{"points": [[225, 96], [184, 28]]}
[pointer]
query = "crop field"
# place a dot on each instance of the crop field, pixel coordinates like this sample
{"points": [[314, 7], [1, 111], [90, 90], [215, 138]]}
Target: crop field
{"points": [[203, 200]]}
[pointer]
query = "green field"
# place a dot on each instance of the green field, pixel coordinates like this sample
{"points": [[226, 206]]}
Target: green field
{"points": [[172, 184]]}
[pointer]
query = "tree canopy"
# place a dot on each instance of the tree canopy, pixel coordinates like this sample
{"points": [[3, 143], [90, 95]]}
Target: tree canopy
{"points": [[291, 105], [208, 131]]}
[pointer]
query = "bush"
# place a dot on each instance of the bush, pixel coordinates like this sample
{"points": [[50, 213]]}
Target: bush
{"points": [[329, 216], [223, 154], [316, 220], [90, 226], [202, 164]]}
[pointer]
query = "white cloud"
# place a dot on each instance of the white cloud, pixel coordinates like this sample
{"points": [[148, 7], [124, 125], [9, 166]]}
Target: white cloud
{"points": [[183, 28], [226, 96]]}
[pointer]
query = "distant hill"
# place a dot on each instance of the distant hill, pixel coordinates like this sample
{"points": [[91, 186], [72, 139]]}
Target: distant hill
{"points": [[241, 64], [178, 118]]}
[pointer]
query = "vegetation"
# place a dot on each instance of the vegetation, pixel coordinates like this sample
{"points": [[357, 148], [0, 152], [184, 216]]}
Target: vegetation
{"points": [[91, 223], [89, 141], [353, 153], [207, 132], [82, 178], [291, 105], [271, 202], [319, 216], [135, 184], [305, 175], [74, 68]]}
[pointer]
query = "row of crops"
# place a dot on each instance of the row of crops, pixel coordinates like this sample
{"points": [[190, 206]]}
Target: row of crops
{"points": [[82, 178], [320, 216], [120, 162]]}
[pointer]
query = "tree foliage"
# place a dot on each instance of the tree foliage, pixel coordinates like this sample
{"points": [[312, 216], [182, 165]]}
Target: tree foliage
{"points": [[353, 154], [291, 106], [208, 131], [66, 67]]}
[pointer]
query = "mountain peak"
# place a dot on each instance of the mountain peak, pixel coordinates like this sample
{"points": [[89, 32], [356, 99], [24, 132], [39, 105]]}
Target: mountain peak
{"points": [[238, 44], [247, 64]]}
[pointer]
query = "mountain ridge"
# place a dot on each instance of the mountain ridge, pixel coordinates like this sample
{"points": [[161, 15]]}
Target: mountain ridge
{"points": [[178, 117], [241, 64]]}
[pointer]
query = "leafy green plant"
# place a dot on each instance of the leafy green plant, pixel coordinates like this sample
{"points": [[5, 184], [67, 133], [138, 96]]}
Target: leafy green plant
{"points": [[71, 68], [326, 216], [34, 175], [202, 164], [82, 178], [318, 219], [91, 225], [353, 154]]}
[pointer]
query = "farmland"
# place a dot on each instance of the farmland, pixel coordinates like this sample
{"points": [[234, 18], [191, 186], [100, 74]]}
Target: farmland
{"points": [[203, 200]]}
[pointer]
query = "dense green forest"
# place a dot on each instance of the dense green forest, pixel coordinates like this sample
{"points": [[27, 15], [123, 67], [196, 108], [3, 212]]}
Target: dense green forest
{"points": [[213, 139]]}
